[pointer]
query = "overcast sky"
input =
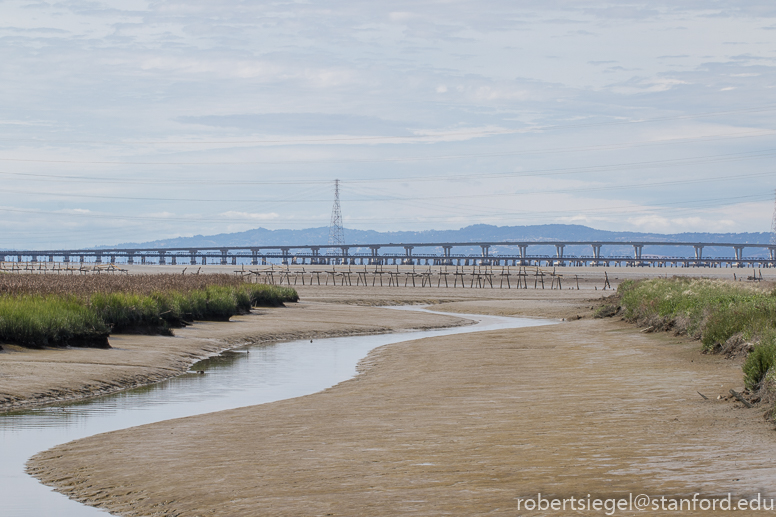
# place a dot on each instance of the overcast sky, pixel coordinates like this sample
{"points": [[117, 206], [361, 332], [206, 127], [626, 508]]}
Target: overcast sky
{"points": [[131, 121]]}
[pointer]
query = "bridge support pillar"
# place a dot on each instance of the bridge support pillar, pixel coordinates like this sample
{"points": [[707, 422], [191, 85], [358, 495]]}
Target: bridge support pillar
{"points": [[408, 254], [51, 258], [130, 258], [447, 253], [19, 258], [142, 259], [113, 259], [65, 259], [485, 260], [316, 253], [174, 260], [254, 256], [374, 258], [637, 249], [193, 257], [162, 258], [204, 260], [559, 255], [523, 253], [772, 252], [739, 251], [98, 258], [234, 260], [698, 251], [81, 257], [224, 252], [34, 258], [284, 253], [596, 253]]}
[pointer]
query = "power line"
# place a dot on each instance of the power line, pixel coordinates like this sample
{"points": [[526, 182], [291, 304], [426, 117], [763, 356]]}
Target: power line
{"points": [[415, 137], [713, 202], [746, 155], [301, 199], [740, 134]]}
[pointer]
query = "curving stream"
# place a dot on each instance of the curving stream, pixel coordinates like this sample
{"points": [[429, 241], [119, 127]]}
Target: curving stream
{"points": [[236, 378]]}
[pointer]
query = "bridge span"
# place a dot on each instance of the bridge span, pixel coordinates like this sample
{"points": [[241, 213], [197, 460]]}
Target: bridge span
{"points": [[438, 253]]}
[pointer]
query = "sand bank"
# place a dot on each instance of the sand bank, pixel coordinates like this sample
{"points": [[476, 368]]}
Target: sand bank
{"points": [[458, 425], [34, 377]]}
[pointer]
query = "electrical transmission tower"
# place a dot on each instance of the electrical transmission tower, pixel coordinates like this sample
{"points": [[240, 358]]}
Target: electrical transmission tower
{"points": [[773, 223], [336, 231]]}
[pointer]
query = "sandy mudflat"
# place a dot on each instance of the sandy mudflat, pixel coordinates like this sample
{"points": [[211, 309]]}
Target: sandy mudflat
{"points": [[456, 425], [34, 377]]}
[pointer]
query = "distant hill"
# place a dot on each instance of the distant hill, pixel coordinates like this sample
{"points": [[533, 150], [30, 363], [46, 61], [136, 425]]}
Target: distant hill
{"points": [[474, 233]]}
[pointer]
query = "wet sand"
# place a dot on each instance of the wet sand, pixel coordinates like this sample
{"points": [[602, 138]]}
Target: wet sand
{"points": [[34, 377], [455, 425]]}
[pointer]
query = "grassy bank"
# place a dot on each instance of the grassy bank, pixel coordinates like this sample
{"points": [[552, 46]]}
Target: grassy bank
{"points": [[38, 311], [727, 317]]}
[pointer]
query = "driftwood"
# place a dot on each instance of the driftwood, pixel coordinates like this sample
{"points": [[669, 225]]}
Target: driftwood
{"points": [[741, 399]]}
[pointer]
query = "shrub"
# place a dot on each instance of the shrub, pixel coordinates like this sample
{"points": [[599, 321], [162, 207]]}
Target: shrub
{"points": [[759, 361]]}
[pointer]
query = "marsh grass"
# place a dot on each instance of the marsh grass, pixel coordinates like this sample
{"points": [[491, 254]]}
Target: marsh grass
{"points": [[39, 321], [710, 310], [760, 362], [43, 313]]}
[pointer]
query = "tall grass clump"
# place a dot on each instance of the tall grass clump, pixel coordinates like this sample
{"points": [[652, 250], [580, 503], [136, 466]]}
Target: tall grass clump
{"points": [[710, 310], [760, 362], [40, 321], [43, 312]]}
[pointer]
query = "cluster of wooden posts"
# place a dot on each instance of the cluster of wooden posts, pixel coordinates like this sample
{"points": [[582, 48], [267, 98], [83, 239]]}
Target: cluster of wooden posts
{"points": [[59, 268], [475, 276]]}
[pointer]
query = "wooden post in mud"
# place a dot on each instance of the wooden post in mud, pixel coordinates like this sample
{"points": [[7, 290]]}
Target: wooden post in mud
{"points": [[376, 273], [606, 281], [456, 275], [501, 285], [426, 277], [361, 275], [441, 274], [393, 278]]}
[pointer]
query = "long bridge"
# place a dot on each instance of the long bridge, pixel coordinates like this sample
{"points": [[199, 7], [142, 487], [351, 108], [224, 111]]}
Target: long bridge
{"points": [[439, 253]]}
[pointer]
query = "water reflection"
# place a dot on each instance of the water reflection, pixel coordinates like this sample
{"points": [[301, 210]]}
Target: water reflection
{"points": [[237, 378]]}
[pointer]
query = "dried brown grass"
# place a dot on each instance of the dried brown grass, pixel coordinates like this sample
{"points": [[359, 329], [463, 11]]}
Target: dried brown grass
{"points": [[83, 286]]}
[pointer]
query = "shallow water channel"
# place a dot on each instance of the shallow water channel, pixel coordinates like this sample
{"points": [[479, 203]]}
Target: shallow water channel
{"points": [[241, 377]]}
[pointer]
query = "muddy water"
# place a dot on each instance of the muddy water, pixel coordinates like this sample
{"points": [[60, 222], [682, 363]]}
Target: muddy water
{"points": [[242, 377]]}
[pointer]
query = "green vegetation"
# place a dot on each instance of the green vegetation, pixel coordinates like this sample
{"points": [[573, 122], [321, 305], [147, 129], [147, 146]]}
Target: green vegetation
{"points": [[710, 310], [760, 362], [726, 317], [39, 320]]}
